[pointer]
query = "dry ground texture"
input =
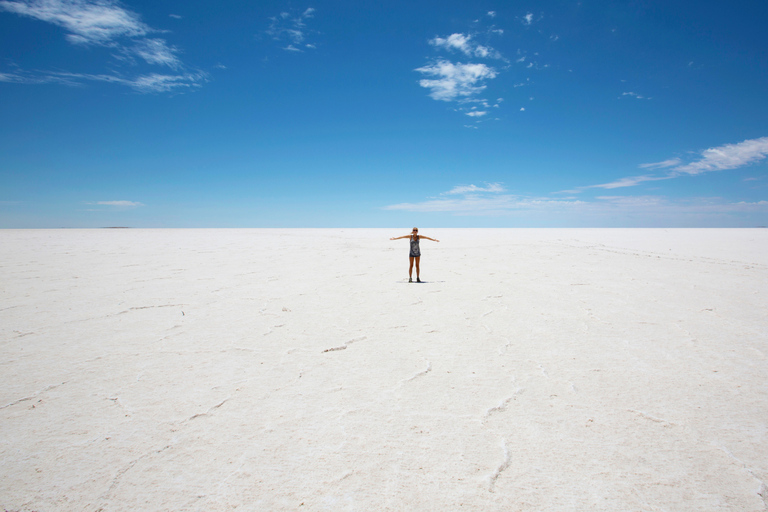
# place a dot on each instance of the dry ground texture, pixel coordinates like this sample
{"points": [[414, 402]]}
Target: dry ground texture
{"points": [[209, 370]]}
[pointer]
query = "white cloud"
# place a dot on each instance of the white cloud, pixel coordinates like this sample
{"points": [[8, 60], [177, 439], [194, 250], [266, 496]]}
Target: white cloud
{"points": [[721, 158], [156, 51], [487, 205], [150, 83], [88, 22], [466, 45], [602, 211], [165, 83], [492, 14], [453, 82], [633, 95], [119, 203], [630, 181], [291, 28], [26, 78], [728, 156], [104, 23], [473, 189], [528, 19], [661, 165]]}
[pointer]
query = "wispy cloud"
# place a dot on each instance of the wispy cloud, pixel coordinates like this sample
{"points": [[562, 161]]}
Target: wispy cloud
{"points": [[633, 95], [457, 81], [630, 181], [486, 205], [728, 156], [120, 203], [644, 210], [661, 165], [116, 204], [88, 22], [150, 83], [470, 189], [290, 28], [527, 19], [475, 200], [157, 51], [108, 24], [465, 44], [721, 158]]}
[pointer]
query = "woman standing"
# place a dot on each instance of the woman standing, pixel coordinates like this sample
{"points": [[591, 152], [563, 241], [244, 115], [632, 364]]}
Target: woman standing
{"points": [[415, 254]]}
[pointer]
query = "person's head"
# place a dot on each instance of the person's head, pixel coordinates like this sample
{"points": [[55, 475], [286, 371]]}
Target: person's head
{"points": [[415, 231]]}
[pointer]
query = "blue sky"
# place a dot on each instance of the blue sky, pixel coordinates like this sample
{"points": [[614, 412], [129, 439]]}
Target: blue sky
{"points": [[357, 114]]}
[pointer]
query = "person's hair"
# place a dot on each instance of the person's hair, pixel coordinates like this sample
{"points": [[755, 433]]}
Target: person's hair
{"points": [[415, 229]]}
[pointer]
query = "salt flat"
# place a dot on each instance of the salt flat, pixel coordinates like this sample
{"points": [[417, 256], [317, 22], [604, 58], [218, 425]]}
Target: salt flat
{"points": [[298, 370]]}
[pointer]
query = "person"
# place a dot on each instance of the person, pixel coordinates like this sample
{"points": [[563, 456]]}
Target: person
{"points": [[415, 254]]}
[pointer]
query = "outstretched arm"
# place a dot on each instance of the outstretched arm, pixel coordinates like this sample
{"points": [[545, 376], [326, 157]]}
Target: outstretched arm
{"points": [[399, 237], [434, 240]]}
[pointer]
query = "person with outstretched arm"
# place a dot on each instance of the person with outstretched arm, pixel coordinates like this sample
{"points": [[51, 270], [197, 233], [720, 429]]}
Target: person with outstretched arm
{"points": [[415, 254]]}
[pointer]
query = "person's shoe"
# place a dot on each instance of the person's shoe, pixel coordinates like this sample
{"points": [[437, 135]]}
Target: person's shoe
{"points": [[411, 280], [418, 280]]}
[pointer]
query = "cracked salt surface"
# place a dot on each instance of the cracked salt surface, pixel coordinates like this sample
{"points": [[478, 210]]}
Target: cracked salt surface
{"points": [[563, 370]]}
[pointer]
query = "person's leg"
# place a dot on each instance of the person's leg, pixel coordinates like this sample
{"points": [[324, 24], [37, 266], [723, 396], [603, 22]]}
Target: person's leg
{"points": [[417, 258], [410, 269]]}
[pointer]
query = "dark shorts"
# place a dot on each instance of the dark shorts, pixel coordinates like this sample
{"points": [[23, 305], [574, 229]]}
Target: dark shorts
{"points": [[414, 254]]}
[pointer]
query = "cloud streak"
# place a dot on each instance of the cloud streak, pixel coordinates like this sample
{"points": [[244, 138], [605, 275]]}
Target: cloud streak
{"points": [[120, 203], [290, 28], [107, 24], [644, 210], [661, 165], [150, 83], [469, 189], [88, 22], [726, 157], [720, 158]]}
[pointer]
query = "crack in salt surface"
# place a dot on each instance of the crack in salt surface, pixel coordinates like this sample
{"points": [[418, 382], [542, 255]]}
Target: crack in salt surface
{"points": [[157, 306], [209, 410], [763, 489], [499, 408], [33, 395], [652, 418], [504, 465], [420, 374], [502, 406], [346, 344], [132, 463]]}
